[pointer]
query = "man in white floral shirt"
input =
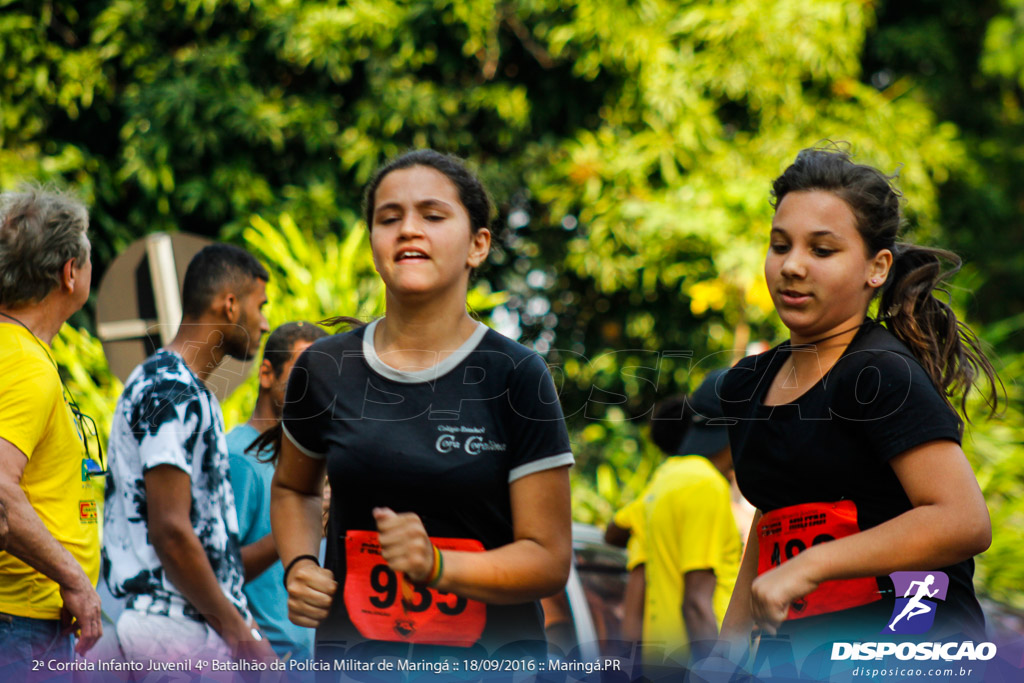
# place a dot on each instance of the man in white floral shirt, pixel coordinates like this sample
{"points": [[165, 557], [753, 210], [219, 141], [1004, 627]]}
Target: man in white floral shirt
{"points": [[170, 528]]}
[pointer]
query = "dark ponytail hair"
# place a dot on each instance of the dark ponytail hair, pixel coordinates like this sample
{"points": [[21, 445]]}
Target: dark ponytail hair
{"points": [[947, 349]]}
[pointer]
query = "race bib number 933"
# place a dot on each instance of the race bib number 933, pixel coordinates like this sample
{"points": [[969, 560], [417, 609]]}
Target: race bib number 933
{"points": [[376, 606]]}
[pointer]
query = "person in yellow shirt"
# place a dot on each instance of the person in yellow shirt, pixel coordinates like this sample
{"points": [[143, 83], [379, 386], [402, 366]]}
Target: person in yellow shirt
{"points": [[626, 530], [684, 547], [692, 544], [50, 477]]}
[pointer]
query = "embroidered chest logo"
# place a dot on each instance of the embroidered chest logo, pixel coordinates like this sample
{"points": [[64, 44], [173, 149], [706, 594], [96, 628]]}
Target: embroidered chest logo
{"points": [[471, 440], [915, 611]]}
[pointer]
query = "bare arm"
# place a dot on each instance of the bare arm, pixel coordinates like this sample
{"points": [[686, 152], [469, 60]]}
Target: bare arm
{"points": [[29, 540], [3, 526], [169, 500], [534, 565], [739, 621], [249, 491], [296, 496], [633, 604], [949, 523], [699, 611], [259, 555]]}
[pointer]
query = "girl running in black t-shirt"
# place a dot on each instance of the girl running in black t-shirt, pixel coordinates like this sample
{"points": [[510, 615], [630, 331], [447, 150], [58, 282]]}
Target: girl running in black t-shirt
{"points": [[443, 441], [845, 439]]}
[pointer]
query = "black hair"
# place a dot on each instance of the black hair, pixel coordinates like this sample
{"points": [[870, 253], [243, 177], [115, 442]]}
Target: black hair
{"points": [[267, 446], [278, 349], [947, 349], [215, 266], [471, 191], [669, 423]]}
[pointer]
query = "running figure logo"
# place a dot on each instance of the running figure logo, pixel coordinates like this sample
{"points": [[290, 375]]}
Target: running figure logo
{"points": [[915, 611]]}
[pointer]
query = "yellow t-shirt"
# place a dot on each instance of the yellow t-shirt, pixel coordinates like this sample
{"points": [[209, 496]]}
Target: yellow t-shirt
{"points": [[688, 526], [35, 418]]}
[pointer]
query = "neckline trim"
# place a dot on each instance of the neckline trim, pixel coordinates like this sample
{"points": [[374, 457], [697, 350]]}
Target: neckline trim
{"points": [[785, 349], [430, 374]]}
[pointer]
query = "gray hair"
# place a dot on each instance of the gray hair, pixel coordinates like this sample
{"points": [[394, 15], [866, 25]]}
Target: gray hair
{"points": [[40, 230]]}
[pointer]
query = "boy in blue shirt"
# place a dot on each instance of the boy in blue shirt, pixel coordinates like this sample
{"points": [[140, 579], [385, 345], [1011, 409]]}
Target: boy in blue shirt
{"points": [[251, 474]]}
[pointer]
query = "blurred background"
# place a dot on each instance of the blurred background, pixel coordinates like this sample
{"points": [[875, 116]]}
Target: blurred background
{"points": [[629, 146]]}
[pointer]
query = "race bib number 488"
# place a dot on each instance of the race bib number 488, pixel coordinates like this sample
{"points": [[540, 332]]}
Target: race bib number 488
{"points": [[783, 533], [376, 606]]}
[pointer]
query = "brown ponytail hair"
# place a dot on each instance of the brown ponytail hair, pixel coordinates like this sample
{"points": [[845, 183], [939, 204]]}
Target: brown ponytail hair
{"points": [[947, 349]]}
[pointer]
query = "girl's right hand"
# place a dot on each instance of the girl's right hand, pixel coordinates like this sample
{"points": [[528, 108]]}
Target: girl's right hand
{"points": [[311, 591], [773, 592]]}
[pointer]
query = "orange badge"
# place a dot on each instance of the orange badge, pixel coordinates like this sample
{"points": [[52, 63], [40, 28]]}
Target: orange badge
{"points": [[783, 533], [88, 512], [381, 608]]}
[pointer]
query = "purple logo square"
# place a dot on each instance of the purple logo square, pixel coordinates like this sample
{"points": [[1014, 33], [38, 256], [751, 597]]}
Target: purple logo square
{"points": [[917, 596]]}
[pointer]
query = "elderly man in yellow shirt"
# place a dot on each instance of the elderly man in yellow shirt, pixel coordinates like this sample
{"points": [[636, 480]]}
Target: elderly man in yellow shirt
{"points": [[50, 477]]}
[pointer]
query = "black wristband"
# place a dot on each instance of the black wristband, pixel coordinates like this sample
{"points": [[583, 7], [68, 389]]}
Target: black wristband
{"points": [[316, 560]]}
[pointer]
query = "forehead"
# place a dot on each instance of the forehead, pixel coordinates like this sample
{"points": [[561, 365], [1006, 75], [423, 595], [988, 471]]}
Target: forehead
{"points": [[415, 184], [299, 346], [815, 211], [812, 209]]}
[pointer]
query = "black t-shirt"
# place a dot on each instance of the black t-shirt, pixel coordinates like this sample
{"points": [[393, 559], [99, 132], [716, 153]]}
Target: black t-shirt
{"points": [[835, 441], [444, 443]]}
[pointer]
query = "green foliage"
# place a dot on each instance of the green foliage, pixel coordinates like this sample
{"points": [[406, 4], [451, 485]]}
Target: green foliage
{"points": [[996, 449], [965, 61], [1003, 54], [614, 461], [997, 454]]}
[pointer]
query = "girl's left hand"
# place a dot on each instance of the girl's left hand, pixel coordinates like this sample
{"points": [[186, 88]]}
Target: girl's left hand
{"points": [[773, 592], [404, 543]]}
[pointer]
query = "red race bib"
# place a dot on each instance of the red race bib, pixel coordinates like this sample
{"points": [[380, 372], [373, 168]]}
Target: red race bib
{"points": [[373, 598], [783, 533]]}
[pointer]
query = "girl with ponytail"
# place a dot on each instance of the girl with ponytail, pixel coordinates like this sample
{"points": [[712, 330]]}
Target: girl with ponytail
{"points": [[845, 436]]}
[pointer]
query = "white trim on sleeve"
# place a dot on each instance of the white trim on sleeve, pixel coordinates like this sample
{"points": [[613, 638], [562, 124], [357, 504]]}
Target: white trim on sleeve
{"points": [[302, 449], [548, 463]]}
